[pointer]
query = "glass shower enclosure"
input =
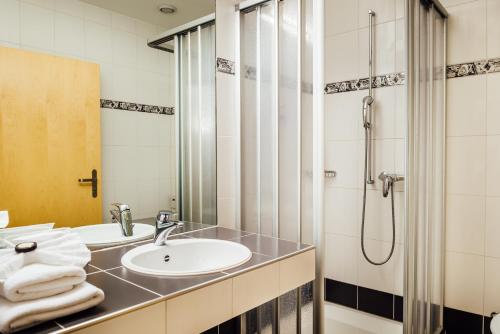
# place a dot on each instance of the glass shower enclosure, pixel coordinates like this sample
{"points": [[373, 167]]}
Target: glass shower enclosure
{"points": [[193, 45], [425, 167], [279, 124]]}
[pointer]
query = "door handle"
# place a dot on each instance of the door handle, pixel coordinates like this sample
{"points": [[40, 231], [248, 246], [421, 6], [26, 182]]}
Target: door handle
{"points": [[93, 181]]}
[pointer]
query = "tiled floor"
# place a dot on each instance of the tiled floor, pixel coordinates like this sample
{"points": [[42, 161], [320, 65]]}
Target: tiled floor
{"points": [[344, 320]]}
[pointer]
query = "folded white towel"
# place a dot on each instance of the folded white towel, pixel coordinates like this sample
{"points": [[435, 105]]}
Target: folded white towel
{"points": [[40, 280], [58, 248], [16, 316]]}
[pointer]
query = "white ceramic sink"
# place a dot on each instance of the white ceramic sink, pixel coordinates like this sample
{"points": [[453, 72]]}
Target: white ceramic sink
{"points": [[106, 235], [184, 257]]}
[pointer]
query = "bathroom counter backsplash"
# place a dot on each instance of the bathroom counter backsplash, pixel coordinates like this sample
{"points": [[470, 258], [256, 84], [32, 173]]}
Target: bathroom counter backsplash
{"points": [[126, 291]]}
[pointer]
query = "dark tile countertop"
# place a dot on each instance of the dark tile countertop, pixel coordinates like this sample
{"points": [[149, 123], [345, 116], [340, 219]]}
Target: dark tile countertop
{"points": [[126, 290]]}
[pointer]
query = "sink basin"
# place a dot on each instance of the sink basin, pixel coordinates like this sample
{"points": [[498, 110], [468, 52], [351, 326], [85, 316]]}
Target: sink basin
{"points": [[184, 257], [106, 235]]}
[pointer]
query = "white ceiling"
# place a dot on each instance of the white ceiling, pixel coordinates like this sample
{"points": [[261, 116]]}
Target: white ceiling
{"points": [[147, 10]]}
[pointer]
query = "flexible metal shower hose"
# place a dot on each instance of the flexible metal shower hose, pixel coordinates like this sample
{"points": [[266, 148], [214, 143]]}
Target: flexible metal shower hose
{"points": [[364, 209]]}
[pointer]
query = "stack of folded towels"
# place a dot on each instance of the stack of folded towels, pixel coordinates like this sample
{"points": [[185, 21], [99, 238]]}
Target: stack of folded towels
{"points": [[45, 283]]}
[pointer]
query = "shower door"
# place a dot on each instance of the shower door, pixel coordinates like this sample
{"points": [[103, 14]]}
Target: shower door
{"points": [[425, 209], [195, 78], [276, 141]]}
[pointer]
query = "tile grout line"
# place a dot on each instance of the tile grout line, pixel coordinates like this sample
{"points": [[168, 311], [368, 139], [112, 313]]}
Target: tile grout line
{"points": [[137, 285]]}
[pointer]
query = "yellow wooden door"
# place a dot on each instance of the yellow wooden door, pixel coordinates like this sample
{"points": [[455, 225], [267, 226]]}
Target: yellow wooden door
{"points": [[49, 138]]}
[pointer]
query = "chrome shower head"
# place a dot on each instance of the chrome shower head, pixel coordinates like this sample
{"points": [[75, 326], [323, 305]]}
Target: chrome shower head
{"points": [[367, 102]]}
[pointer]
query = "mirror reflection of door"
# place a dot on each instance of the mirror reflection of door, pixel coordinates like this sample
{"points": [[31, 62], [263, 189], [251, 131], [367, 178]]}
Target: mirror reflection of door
{"points": [[84, 91]]}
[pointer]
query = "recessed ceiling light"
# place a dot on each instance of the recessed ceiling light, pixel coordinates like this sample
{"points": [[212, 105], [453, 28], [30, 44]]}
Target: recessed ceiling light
{"points": [[167, 9]]}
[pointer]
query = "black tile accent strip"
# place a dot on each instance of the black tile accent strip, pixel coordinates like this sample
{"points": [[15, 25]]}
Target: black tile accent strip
{"points": [[486, 325], [473, 68], [375, 302], [131, 106], [367, 300], [398, 308], [341, 293], [385, 80], [459, 322], [225, 66]]}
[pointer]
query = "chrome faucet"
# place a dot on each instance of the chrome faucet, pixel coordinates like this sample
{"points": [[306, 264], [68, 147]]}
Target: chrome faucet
{"points": [[123, 217], [161, 238], [165, 226], [388, 181]]}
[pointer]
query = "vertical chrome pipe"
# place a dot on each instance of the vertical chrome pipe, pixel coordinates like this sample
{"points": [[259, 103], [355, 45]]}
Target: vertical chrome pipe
{"points": [[200, 130], [371, 14], [276, 227], [367, 120], [178, 125], [299, 120], [190, 120], [258, 85]]}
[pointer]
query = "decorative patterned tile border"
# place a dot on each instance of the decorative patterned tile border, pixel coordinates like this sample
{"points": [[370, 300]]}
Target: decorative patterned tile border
{"points": [[386, 80], [130, 106], [473, 68], [225, 66]]}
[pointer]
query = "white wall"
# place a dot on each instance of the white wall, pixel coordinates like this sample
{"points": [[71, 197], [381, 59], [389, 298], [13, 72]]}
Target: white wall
{"points": [[137, 148], [227, 109], [346, 58], [473, 186]]}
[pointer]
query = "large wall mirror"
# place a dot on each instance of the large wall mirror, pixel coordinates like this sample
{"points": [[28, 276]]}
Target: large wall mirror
{"points": [[107, 101]]}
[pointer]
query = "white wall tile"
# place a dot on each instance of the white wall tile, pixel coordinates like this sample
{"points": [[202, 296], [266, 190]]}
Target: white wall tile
{"points": [[148, 197], [124, 84], [383, 113], [69, 35], [124, 128], [493, 165], [341, 211], [147, 90], [384, 49], [385, 10], [126, 192], [493, 103], [122, 22], [49, 4], [378, 217], [36, 27], [376, 277], [147, 58], [340, 16], [492, 227], [9, 21], [97, 14], [98, 42], [225, 212], [340, 252], [124, 48], [107, 121], [147, 163], [466, 165], [70, 7], [491, 286], [340, 157], [465, 224], [464, 282], [123, 168], [106, 75], [147, 129], [145, 29], [493, 28], [341, 57], [343, 119], [467, 22], [465, 115], [226, 167]]}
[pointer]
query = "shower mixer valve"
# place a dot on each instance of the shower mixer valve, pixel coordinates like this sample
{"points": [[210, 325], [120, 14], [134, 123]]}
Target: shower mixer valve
{"points": [[388, 181]]}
